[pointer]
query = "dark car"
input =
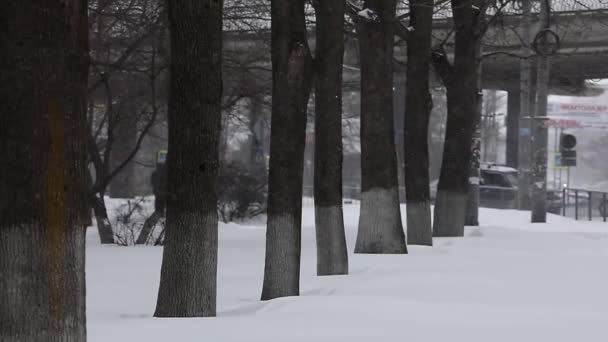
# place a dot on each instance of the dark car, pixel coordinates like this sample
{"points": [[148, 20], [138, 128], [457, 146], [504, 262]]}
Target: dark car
{"points": [[498, 187]]}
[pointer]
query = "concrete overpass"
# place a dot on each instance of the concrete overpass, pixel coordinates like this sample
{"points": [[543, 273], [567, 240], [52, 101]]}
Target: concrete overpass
{"points": [[582, 26], [583, 52]]}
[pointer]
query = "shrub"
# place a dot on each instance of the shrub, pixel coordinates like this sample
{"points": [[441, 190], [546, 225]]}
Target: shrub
{"points": [[241, 193]]}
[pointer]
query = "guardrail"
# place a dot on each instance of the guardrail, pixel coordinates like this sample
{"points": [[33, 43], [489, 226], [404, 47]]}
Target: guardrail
{"points": [[579, 203]]}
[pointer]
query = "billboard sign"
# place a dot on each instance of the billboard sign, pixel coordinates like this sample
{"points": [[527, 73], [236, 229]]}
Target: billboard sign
{"points": [[581, 116]]}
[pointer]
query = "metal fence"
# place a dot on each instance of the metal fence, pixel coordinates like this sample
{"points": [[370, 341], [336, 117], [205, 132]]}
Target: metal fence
{"points": [[584, 204]]}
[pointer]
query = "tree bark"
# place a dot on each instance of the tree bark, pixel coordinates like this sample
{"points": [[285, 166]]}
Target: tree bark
{"points": [[125, 139], [43, 201], [332, 254], [380, 227], [146, 230], [104, 227], [472, 211], [418, 106], [512, 148], [257, 161], [189, 268], [291, 76], [539, 130], [96, 192], [461, 85]]}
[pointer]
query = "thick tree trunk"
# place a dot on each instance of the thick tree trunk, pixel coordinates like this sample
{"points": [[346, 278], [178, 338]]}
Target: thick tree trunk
{"points": [[189, 268], [291, 76], [104, 227], [418, 110], [380, 227], [461, 85], [43, 201], [332, 254]]}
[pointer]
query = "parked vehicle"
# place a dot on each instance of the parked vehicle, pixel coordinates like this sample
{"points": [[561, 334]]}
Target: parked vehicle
{"points": [[498, 187]]}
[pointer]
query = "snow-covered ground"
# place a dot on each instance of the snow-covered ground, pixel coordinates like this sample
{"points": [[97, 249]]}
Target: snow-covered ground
{"points": [[508, 280]]}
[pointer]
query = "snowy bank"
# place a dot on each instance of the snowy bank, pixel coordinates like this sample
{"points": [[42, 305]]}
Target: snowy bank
{"points": [[508, 280]]}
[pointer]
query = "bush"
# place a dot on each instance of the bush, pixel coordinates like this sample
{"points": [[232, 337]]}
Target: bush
{"points": [[131, 216], [128, 221], [241, 193]]}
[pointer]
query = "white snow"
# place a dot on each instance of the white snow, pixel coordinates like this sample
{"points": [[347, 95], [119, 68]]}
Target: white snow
{"points": [[498, 168], [508, 280]]}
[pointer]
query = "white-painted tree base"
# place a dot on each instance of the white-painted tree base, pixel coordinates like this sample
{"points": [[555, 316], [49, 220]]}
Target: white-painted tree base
{"points": [[380, 227], [419, 226], [450, 210], [188, 281], [472, 213], [282, 265], [332, 254]]}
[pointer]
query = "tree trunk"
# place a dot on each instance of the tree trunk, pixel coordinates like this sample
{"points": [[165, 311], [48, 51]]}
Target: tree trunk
{"points": [[380, 227], [527, 89], [461, 85], [539, 130], [291, 70], [418, 106], [472, 211], [189, 268], [146, 230], [125, 139], [104, 227], [43, 203], [332, 254], [257, 161], [512, 148]]}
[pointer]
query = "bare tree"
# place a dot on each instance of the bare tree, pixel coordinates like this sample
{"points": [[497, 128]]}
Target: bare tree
{"points": [[380, 227], [460, 80], [418, 106], [189, 268], [128, 68], [332, 254], [291, 75], [43, 77]]}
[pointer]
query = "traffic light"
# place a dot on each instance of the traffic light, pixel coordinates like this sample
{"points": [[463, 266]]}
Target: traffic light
{"points": [[567, 148]]}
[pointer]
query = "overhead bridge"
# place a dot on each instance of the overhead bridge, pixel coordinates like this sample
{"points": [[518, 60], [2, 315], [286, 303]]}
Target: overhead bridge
{"points": [[582, 27]]}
